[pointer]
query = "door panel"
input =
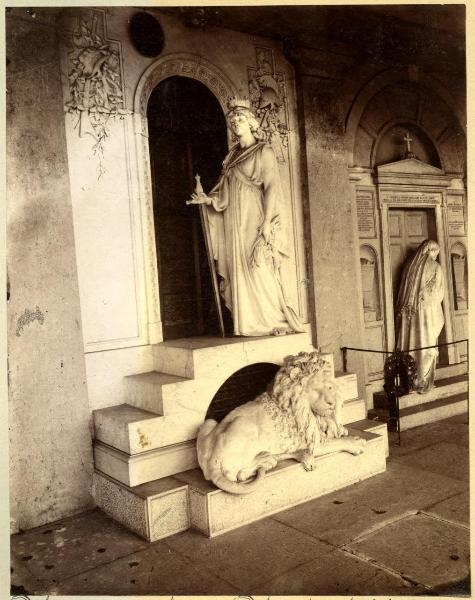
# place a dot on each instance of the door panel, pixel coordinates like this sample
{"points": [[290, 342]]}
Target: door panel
{"points": [[187, 135], [408, 228]]}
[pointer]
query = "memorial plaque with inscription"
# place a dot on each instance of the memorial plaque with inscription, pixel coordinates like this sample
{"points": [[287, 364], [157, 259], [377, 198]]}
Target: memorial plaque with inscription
{"points": [[410, 197], [456, 215], [365, 214]]}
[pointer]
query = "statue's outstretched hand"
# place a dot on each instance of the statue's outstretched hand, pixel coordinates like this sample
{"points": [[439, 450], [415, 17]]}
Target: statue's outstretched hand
{"points": [[200, 198]]}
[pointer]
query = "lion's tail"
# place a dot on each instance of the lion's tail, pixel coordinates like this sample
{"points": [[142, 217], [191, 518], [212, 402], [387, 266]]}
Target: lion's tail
{"points": [[238, 487]]}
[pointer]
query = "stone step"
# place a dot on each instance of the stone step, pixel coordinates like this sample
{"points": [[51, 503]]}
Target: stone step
{"points": [[353, 410], [221, 357], [437, 410], [375, 387], [134, 430], [129, 444], [153, 510], [214, 512], [451, 371], [443, 389], [421, 414], [169, 394], [135, 469], [160, 392], [167, 506], [347, 385]]}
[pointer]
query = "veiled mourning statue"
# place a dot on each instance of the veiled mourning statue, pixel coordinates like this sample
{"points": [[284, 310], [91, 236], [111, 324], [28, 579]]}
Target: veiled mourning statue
{"points": [[419, 315]]}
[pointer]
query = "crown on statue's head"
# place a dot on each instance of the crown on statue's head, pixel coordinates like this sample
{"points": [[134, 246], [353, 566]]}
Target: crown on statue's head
{"points": [[239, 102]]}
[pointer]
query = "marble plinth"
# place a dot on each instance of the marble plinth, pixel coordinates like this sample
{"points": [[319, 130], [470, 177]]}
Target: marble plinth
{"points": [[166, 506], [214, 512]]}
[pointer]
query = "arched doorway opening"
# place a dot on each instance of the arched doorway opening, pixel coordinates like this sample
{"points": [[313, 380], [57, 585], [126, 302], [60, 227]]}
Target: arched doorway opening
{"points": [[187, 135]]}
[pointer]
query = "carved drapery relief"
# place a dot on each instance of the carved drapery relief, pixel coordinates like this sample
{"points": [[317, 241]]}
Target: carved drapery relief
{"points": [[268, 100], [95, 81]]}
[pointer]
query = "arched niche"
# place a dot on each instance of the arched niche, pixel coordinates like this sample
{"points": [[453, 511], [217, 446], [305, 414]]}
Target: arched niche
{"points": [[175, 64], [370, 284], [458, 257], [244, 385], [439, 137], [391, 145]]}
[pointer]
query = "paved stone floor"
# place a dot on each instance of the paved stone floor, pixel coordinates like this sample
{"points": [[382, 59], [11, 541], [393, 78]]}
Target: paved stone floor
{"points": [[404, 532]]}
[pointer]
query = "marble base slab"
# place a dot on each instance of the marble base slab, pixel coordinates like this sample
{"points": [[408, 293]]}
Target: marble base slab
{"points": [[147, 466], [153, 510], [214, 512]]}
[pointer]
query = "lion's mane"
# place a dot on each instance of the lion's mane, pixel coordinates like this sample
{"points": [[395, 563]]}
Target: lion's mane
{"points": [[291, 396]]}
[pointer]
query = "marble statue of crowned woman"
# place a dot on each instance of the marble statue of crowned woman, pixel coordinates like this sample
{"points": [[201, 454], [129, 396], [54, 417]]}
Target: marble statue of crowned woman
{"points": [[419, 315], [244, 215]]}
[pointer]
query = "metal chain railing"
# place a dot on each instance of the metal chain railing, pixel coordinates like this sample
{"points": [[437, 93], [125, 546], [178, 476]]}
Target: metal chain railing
{"points": [[393, 396]]}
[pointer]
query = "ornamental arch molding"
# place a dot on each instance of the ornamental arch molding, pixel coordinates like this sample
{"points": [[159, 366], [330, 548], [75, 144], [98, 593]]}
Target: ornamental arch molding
{"points": [[433, 104], [177, 64], [184, 65]]}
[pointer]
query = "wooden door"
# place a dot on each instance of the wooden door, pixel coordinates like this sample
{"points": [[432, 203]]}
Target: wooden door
{"points": [[408, 228], [187, 135]]}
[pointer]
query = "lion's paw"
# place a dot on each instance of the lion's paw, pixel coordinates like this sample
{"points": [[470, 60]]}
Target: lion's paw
{"points": [[357, 445], [342, 431], [309, 462]]}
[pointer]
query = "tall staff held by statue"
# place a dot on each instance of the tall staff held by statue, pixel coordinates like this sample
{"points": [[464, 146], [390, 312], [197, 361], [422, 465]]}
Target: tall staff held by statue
{"points": [[241, 219], [209, 252]]}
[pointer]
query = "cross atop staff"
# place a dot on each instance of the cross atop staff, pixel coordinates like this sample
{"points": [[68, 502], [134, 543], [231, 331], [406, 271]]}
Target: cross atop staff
{"points": [[409, 153], [408, 141]]}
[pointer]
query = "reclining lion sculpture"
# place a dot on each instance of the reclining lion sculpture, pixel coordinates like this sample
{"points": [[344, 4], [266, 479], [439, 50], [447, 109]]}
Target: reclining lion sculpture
{"points": [[299, 419]]}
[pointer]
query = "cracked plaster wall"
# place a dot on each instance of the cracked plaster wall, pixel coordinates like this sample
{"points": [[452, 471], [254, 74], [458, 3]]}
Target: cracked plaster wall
{"points": [[50, 445]]}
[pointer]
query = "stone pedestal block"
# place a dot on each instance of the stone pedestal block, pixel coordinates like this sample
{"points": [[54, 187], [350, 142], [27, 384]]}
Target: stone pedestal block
{"points": [[153, 510]]}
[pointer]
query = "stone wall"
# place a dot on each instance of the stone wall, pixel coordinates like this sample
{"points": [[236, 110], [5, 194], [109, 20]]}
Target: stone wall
{"points": [[337, 87], [50, 444]]}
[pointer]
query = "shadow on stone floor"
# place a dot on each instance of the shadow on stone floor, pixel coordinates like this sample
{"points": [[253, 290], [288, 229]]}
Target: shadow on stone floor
{"points": [[356, 541]]}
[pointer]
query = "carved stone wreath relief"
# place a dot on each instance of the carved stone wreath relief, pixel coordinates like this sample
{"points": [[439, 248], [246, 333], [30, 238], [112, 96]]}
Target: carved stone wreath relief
{"points": [[95, 81], [268, 100]]}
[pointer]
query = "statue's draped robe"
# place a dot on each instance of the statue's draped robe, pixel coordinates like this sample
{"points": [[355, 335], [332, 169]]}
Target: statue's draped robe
{"points": [[251, 285], [419, 315]]}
